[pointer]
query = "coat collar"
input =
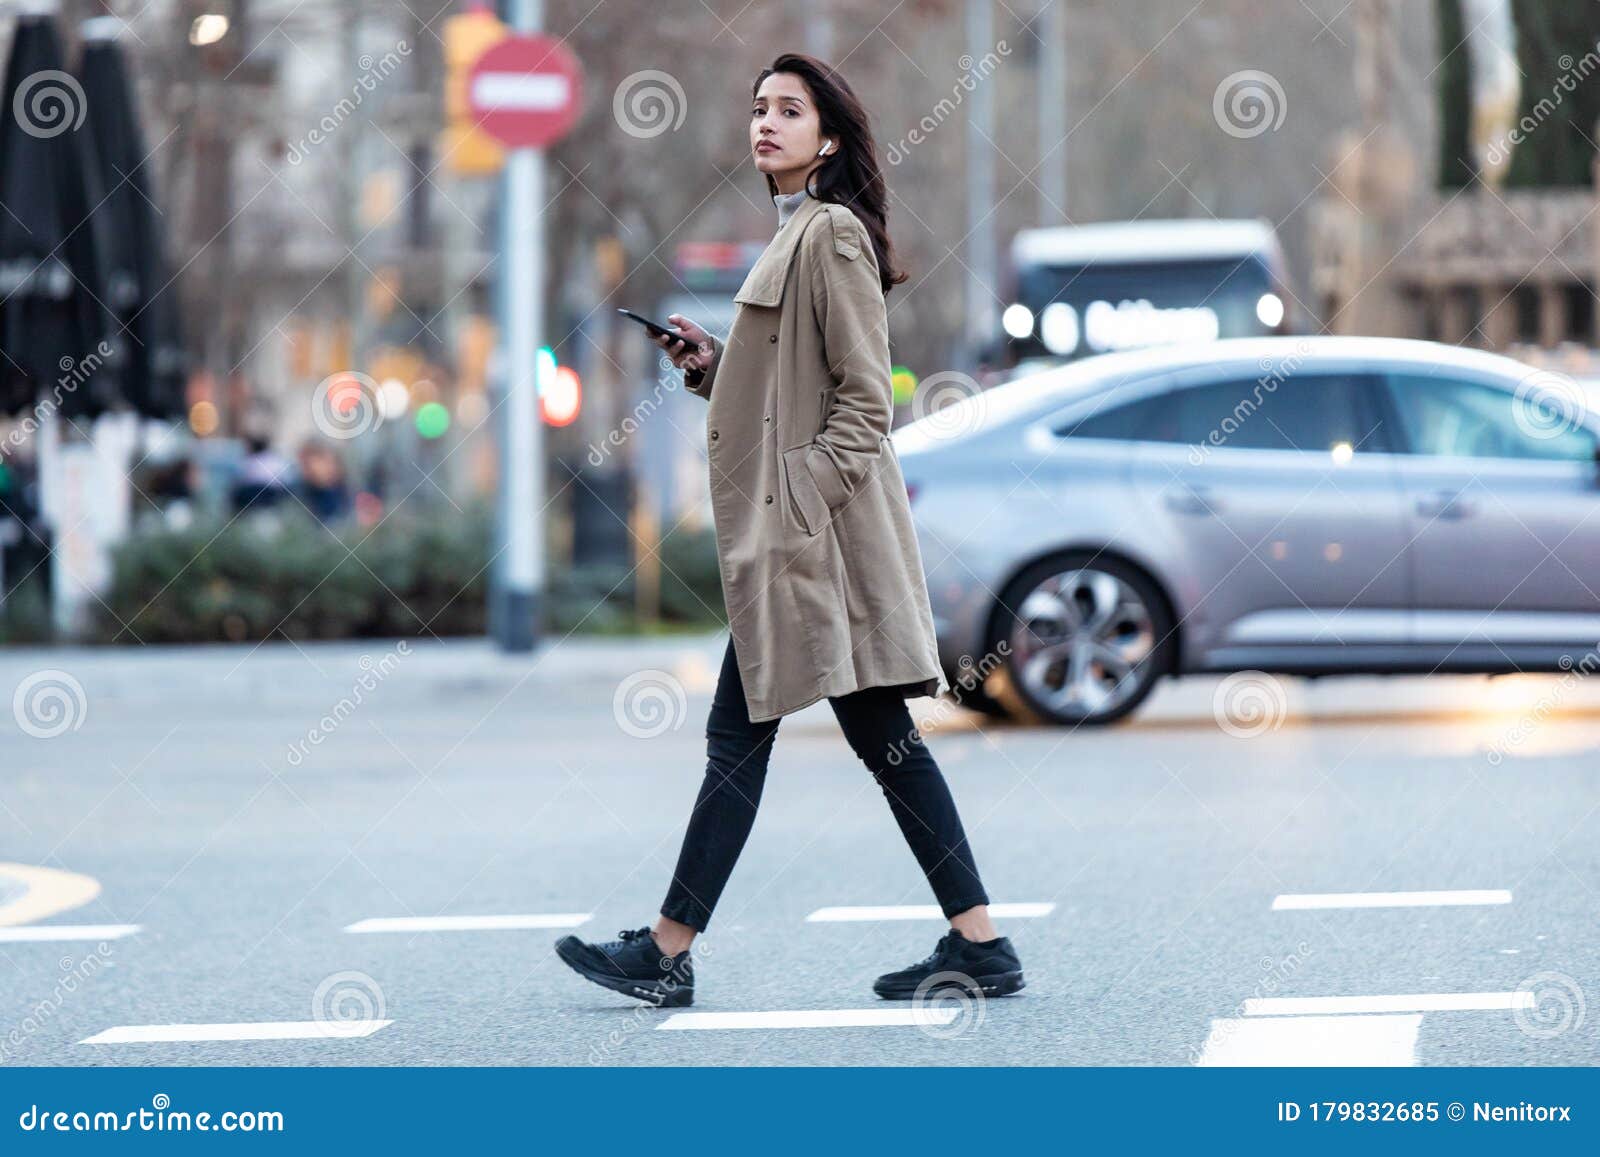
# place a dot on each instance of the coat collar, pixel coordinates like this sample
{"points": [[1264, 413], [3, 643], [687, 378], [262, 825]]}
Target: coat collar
{"points": [[764, 283]]}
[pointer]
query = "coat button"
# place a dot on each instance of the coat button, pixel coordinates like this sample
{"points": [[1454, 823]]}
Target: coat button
{"points": [[767, 418], [772, 339], [769, 500], [713, 435]]}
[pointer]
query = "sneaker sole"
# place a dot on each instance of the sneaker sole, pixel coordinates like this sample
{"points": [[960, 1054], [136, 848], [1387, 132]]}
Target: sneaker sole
{"points": [[651, 992], [999, 984]]}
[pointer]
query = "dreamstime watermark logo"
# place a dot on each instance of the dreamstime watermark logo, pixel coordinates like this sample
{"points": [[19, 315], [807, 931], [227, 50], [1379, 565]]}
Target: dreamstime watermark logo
{"points": [[346, 1003], [346, 405], [1547, 405], [1572, 72], [155, 1119], [1273, 974], [643, 1014], [970, 678], [618, 436], [649, 103], [74, 372], [49, 703], [73, 973], [943, 993], [1273, 373], [1248, 103], [971, 674], [1557, 1007], [1528, 722], [971, 73], [951, 403], [648, 703], [372, 72], [48, 103], [1249, 702], [373, 672]]}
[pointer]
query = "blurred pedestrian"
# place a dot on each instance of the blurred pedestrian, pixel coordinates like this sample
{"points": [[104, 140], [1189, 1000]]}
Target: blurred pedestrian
{"points": [[820, 567], [263, 478], [324, 486]]}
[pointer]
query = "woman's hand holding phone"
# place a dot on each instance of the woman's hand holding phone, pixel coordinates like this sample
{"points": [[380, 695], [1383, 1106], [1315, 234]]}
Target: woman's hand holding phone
{"points": [[689, 351]]}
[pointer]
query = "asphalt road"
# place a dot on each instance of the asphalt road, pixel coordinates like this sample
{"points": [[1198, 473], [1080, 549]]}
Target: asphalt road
{"points": [[469, 784]]}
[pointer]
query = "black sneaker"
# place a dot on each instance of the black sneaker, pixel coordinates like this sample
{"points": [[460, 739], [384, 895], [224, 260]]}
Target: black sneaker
{"points": [[633, 965], [987, 969]]}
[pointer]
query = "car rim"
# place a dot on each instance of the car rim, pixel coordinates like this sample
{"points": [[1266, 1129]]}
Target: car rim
{"points": [[1080, 640]]}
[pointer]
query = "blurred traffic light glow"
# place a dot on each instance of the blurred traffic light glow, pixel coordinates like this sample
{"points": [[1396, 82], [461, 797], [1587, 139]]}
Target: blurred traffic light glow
{"points": [[560, 403], [432, 420], [203, 419]]}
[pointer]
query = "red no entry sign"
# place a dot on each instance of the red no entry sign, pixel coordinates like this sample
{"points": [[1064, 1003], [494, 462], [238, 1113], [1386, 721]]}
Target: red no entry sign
{"points": [[526, 91]]}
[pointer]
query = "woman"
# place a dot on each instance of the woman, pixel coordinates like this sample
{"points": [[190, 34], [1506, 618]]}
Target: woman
{"points": [[820, 567]]}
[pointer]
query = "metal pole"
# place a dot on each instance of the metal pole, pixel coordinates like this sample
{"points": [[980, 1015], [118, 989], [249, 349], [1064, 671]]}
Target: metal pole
{"points": [[981, 305], [1053, 112], [517, 625]]}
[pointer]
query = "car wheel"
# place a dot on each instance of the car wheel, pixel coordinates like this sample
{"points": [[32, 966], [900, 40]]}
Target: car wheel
{"points": [[1086, 639]]}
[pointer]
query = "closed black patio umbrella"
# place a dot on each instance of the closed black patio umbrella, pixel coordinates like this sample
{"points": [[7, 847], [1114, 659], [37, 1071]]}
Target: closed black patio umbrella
{"points": [[137, 290], [52, 320]]}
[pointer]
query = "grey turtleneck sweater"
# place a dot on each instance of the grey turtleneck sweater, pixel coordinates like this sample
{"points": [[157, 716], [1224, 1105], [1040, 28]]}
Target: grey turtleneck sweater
{"points": [[787, 203]]}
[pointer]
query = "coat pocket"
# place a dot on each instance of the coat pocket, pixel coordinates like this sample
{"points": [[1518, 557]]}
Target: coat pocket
{"points": [[810, 507]]}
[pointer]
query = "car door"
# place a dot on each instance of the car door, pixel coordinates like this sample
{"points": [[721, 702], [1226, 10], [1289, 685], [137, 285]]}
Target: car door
{"points": [[1504, 508], [1277, 483]]}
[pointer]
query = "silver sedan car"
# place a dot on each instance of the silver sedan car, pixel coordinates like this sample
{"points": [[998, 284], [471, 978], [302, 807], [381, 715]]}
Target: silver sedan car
{"points": [[1311, 505]]}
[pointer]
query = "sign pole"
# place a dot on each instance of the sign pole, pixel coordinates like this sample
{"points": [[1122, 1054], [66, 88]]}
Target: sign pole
{"points": [[524, 491], [522, 466], [524, 91]]}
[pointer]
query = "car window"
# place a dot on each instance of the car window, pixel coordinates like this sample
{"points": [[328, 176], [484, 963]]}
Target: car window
{"points": [[1271, 412], [1148, 419], [1452, 418], [1298, 412]]}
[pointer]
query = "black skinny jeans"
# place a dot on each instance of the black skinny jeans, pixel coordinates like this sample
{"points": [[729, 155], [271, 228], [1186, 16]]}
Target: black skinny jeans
{"points": [[878, 727]]}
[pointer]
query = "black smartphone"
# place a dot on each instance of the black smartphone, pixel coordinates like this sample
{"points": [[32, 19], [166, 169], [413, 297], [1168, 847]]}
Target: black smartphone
{"points": [[655, 328]]}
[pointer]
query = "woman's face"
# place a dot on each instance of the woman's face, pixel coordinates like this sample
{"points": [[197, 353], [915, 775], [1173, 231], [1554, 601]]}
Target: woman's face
{"points": [[785, 132]]}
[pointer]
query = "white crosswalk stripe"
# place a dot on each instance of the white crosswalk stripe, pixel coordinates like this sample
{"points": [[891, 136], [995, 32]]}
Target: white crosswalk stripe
{"points": [[468, 923], [1306, 900], [247, 1031], [922, 912], [58, 932], [819, 1018], [1343, 1041]]}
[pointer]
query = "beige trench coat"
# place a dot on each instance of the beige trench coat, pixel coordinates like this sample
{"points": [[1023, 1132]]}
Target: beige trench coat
{"points": [[820, 566]]}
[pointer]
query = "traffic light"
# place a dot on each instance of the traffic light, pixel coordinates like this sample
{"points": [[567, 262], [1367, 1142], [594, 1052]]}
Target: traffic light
{"points": [[463, 148], [560, 390]]}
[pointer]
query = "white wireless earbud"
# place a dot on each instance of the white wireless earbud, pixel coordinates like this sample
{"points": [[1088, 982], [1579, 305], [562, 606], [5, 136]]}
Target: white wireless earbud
{"points": [[823, 151]]}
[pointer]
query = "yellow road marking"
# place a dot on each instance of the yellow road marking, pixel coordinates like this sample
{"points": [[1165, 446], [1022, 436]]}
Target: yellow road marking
{"points": [[48, 891]]}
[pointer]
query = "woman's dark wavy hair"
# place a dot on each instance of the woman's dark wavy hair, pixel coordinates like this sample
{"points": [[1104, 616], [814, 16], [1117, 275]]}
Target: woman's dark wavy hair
{"points": [[851, 176]]}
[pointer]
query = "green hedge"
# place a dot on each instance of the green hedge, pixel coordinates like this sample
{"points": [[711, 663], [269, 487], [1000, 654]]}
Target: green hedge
{"points": [[274, 576], [25, 617]]}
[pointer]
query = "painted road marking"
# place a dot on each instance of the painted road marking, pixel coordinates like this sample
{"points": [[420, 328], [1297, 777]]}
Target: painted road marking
{"points": [[1390, 899], [820, 1018], [1313, 1040], [1408, 1002], [46, 892], [256, 1030], [468, 923], [923, 912], [35, 932]]}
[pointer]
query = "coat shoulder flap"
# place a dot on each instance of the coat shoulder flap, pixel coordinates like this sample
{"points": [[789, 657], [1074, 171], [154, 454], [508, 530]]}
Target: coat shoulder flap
{"points": [[846, 229]]}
